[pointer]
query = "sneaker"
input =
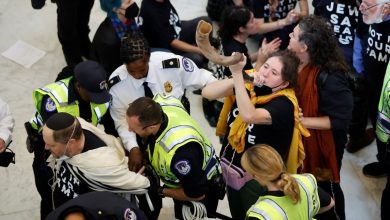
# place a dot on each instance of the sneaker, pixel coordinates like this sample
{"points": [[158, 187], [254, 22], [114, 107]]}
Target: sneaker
{"points": [[375, 169], [355, 145]]}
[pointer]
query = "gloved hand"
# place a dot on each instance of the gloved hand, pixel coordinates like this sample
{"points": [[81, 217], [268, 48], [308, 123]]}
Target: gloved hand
{"points": [[152, 176], [29, 145], [37, 4]]}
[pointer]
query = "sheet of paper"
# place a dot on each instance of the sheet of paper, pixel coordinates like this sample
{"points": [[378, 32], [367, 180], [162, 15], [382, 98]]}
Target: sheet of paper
{"points": [[23, 54]]}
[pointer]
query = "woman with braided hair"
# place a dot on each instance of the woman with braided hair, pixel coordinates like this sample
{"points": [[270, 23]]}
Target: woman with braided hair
{"points": [[289, 196]]}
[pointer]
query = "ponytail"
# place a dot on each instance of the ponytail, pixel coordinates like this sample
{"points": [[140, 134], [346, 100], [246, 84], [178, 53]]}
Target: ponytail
{"points": [[265, 163], [289, 186]]}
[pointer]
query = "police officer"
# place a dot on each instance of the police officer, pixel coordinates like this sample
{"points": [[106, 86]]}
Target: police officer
{"points": [[288, 196], [83, 95], [145, 74], [178, 150]]}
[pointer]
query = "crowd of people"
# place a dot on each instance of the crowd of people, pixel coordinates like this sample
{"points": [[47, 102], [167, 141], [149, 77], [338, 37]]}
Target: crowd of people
{"points": [[289, 110]]}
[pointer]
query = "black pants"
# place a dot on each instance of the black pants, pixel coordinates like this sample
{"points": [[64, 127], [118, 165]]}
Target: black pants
{"points": [[43, 180], [210, 202], [335, 191], [385, 202], [73, 29], [187, 35], [156, 201], [358, 124]]}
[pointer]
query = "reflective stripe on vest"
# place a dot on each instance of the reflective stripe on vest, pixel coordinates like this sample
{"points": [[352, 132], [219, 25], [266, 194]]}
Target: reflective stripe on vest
{"points": [[274, 205], [260, 212], [179, 140], [311, 201], [383, 127], [307, 193]]}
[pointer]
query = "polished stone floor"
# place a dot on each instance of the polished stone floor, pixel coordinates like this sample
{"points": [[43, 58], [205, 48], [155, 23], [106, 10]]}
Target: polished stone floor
{"points": [[18, 196]]}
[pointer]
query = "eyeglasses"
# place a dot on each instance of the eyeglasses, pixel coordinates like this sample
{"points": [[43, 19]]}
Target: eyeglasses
{"points": [[364, 7]]}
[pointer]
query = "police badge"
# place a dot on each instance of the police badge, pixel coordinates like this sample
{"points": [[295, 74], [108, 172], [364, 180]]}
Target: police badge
{"points": [[168, 87]]}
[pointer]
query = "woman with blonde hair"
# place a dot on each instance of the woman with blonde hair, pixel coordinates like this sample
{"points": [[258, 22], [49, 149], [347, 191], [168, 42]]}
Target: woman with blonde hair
{"points": [[289, 196]]}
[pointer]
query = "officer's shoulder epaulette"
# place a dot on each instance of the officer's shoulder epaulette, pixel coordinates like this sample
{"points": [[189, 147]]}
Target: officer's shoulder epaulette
{"points": [[171, 63], [116, 79]]}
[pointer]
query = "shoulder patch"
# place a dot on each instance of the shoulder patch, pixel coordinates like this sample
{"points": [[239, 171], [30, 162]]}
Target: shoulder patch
{"points": [[183, 167], [113, 81], [171, 63], [49, 105], [187, 64], [129, 215]]}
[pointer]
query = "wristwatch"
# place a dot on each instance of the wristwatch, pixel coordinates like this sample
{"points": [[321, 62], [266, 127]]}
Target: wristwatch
{"points": [[160, 191]]}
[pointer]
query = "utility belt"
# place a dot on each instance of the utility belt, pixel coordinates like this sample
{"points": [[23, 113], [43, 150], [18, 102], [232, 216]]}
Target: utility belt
{"points": [[185, 102]]}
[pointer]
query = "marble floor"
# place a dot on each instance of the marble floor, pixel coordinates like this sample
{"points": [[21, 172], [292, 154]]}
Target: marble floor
{"points": [[18, 196]]}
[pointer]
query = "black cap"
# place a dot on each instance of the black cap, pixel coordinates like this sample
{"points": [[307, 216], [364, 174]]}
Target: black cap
{"points": [[92, 77], [99, 206]]}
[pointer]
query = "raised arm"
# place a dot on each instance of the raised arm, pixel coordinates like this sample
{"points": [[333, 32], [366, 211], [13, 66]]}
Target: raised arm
{"points": [[247, 110]]}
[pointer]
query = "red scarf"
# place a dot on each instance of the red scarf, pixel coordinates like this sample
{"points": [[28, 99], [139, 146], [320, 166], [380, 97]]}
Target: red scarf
{"points": [[320, 148]]}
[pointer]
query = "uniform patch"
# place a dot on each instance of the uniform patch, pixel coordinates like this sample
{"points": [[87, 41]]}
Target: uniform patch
{"points": [[187, 64], [183, 167], [50, 106], [130, 214], [103, 85], [171, 63], [168, 87], [113, 81]]}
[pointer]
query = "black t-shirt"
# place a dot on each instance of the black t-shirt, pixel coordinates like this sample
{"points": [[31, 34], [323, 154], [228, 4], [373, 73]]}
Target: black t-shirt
{"points": [[159, 22], [71, 181], [261, 9], [343, 17], [376, 54], [278, 134], [229, 46]]}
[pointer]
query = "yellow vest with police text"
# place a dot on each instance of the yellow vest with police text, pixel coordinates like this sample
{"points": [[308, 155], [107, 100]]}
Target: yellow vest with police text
{"points": [[282, 208], [180, 130], [58, 92]]}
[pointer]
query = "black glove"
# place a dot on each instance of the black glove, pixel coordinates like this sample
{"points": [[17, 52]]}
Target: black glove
{"points": [[37, 4], [153, 177]]}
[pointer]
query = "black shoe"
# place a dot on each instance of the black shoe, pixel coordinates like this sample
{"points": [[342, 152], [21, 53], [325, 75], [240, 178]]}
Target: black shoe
{"points": [[37, 4], [357, 144], [375, 169]]}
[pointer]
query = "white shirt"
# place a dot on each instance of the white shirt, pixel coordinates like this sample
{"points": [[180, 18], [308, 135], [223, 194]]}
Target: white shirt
{"points": [[7, 123], [159, 81]]}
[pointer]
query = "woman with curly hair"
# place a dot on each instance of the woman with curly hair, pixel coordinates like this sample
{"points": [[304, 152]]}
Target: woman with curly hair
{"points": [[326, 102], [264, 111], [296, 196]]}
